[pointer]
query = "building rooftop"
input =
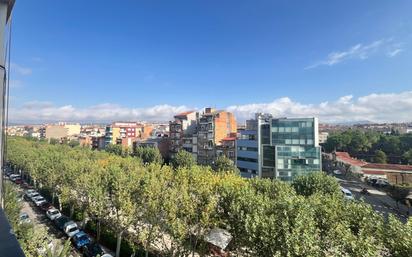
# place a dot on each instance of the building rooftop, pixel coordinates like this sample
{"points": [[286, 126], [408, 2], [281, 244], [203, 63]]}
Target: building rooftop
{"points": [[229, 139], [183, 114], [394, 167], [346, 158]]}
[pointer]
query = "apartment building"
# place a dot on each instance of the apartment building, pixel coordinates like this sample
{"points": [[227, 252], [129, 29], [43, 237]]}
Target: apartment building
{"points": [[182, 133], [227, 147], [123, 133], [61, 130], [213, 127], [279, 148]]}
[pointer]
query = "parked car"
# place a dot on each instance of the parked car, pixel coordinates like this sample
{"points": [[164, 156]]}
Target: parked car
{"points": [[39, 200], [29, 191], [45, 206], [337, 172], [15, 177], [80, 239], [18, 181], [25, 185], [92, 250], [61, 221], [346, 193], [53, 214], [381, 183], [24, 218], [34, 195], [71, 229]]}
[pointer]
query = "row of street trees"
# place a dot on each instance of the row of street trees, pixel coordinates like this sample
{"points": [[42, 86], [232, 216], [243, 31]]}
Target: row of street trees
{"points": [[169, 209]]}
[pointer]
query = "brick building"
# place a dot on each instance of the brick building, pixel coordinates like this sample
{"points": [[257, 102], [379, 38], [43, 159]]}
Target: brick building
{"points": [[213, 127]]}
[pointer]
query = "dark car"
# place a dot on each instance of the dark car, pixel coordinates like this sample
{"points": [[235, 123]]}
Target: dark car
{"points": [[60, 222], [80, 239], [18, 181], [92, 250], [45, 206]]}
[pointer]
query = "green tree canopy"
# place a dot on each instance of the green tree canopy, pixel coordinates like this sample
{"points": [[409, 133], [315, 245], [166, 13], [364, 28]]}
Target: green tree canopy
{"points": [[380, 157], [183, 159]]}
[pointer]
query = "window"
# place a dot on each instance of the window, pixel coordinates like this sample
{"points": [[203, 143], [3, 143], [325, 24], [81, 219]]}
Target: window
{"points": [[244, 148], [246, 159]]}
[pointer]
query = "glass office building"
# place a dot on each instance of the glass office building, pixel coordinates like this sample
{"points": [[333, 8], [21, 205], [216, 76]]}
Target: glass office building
{"points": [[286, 147]]}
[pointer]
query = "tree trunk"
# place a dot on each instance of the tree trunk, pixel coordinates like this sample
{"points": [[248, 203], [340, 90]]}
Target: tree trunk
{"points": [[146, 253], [98, 231], [60, 204], [119, 242], [71, 210], [53, 198], [85, 219]]}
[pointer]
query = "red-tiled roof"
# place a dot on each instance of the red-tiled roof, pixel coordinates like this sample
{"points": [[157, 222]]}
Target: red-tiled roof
{"points": [[345, 157], [373, 172], [394, 167], [183, 113], [229, 139]]}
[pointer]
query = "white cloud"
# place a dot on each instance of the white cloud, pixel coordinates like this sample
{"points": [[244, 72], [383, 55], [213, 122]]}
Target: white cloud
{"points": [[21, 70], [395, 107], [46, 111], [395, 52], [374, 107], [360, 52]]}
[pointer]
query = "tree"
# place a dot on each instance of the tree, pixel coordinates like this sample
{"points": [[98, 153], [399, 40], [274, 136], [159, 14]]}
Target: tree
{"points": [[224, 164], [74, 143], [115, 149], [54, 141], [407, 156], [148, 154], [398, 237], [380, 157], [316, 182], [183, 159]]}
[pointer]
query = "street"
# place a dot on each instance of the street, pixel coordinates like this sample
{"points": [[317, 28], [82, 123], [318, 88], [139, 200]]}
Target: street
{"points": [[379, 200]]}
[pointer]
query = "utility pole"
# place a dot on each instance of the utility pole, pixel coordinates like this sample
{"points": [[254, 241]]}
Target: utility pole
{"points": [[5, 10]]}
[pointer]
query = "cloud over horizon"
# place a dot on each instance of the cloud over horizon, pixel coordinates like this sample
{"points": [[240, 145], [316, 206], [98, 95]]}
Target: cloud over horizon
{"points": [[388, 107]]}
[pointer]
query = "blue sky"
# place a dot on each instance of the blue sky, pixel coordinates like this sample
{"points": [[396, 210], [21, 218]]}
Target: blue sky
{"points": [[148, 59]]}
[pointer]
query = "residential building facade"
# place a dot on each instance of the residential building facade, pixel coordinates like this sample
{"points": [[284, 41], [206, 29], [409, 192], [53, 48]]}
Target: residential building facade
{"points": [[227, 147], [213, 127], [124, 133], [182, 133]]}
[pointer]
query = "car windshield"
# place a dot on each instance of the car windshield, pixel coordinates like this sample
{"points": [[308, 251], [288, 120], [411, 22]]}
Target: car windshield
{"points": [[96, 248], [73, 229], [83, 238], [348, 194], [54, 212]]}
